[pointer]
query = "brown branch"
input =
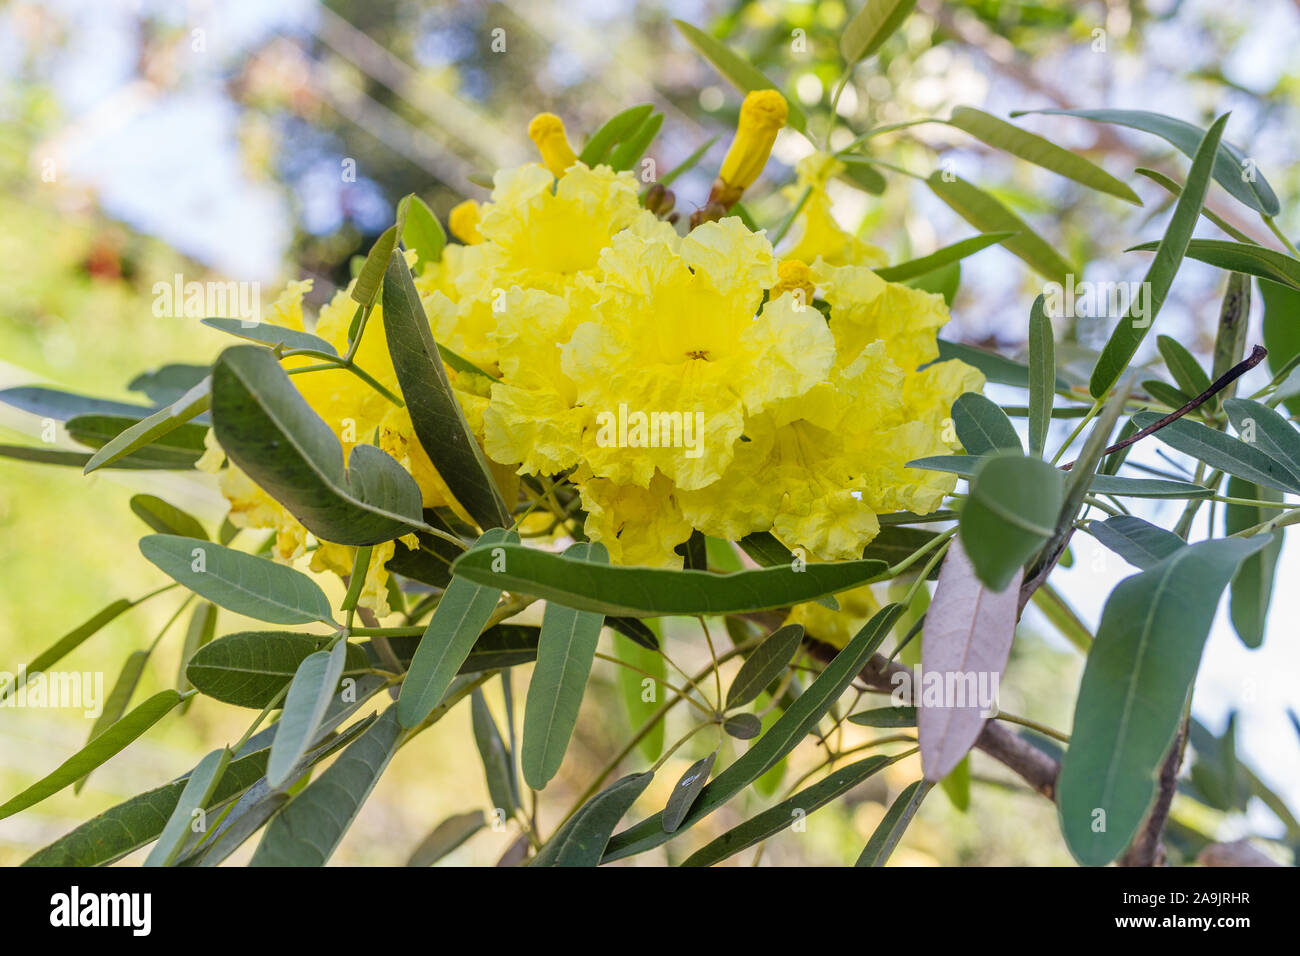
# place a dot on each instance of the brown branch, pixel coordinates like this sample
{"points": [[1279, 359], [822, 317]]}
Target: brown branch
{"points": [[1219, 384], [1146, 849]]}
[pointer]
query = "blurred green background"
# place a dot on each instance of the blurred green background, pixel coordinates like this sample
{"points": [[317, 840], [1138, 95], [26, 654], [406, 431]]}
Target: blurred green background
{"points": [[144, 139]]}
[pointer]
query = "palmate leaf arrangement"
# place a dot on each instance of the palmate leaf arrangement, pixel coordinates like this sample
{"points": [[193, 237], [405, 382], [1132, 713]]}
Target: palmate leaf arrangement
{"points": [[457, 437]]}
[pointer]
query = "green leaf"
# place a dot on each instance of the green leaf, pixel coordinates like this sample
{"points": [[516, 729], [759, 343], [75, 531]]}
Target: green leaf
{"points": [[996, 368], [1223, 452], [687, 164], [1138, 542], [307, 831], [366, 289], [885, 717], [200, 786], [743, 726], [859, 171], [496, 757], [60, 405], [435, 414], [180, 447], [687, 790], [890, 829], [772, 821], [119, 699], [1176, 189], [941, 257], [1281, 329], [767, 552], [1187, 372], [871, 26], [202, 628], [987, 214], [71, 641], [957, 785], [422, 232], [1166, 393], [1034, 149], [267, 428], [457, 622], [162, 423], [1011, 512], [1267, 430], [766, 664], [98, 751], [735, 69], [249, 668], [1252, 587], [966, 466], [447, 836], [636, 685], [1244, 257], [136, 822], [166, 518], [943, 281], [272, 335], [651, 592], [982, 427], [616, 129], [895, 543], [1134, 687], [313, 685], [239, 582], [582, 840], [564, 655], [1042, 376], [1132, 329], [627, 153], [1229, 161], [784, 735]]}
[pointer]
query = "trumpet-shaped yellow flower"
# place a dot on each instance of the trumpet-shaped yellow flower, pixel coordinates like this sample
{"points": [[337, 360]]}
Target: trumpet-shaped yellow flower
{"points": [[815, 233], [762, 116], [547, 133]]}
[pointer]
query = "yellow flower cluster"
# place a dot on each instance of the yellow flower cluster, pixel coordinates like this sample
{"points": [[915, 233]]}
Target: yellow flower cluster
{"points": [[680, 382]]}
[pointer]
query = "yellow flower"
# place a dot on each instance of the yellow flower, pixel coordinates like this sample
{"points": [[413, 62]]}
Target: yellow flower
{"points": [[463, 222], [762, 116], [836, 627], [637, 525], [816, 233], [547, 133]]}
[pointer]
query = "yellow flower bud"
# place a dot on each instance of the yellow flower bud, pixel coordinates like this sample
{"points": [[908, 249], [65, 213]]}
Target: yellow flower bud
{"points": [[761, 116], [463, 222], [547, 133], [792, 276]]}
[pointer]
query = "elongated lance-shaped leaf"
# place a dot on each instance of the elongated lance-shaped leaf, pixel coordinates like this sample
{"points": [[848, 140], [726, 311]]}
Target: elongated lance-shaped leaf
{"points": [[885, 717], [1121, 486], [767, 663], [1032, 148], [273, 335], [940, 257], [1252, 586], [1133, 327], [735, 69], [988, 214], [1042, 376], [651, 592], [615, 130], [1223, 452], [687, 790], [446, 837], [1138, 542], [457, 621], [890, 829], [1010, 514], [627, 153], [1270, 432], [640, 692], [198, 792], [1246, 257], [564, 654], [687, 164], [366, 289], [1281, 333], [966, 641], [795, 808], [239, 582], [66, 644], [782, 737], [308, 830], [996, 368], [435, 414], [166, 518], [183, 444], [304, 708], [148, 430], [1176, 189], [118, 700], [1186, 371], [871, 26], [252, 668], [1230, 339], [422, 232], [200, 631], [582, 840], [1131, 698], [496, 756], [267, 428], [1232, 169], [982, 427], [99, 750], [60, 405]]}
